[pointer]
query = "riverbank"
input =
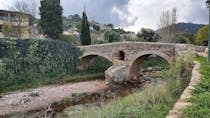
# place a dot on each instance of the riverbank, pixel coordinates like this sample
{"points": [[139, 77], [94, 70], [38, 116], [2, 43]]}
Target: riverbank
{"points": [[36, 99], [151, 101]]}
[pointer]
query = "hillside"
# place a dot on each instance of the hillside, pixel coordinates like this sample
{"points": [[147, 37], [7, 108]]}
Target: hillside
{"points": [[190, 28]]}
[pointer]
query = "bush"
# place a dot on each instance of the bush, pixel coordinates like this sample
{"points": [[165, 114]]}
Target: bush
{"points": [[99, 65], [155, 61], [178, 76], [201, 35], [67, 38], [148, 35], [25, 60], [112, 36], [181, 39]]}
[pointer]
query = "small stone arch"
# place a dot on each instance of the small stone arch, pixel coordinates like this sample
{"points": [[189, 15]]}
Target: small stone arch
{"points": [[134, 65], [121, 55]]}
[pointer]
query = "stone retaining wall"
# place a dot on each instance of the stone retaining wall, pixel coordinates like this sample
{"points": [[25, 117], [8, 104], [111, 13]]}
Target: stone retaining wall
{"points": [[182, 103]]}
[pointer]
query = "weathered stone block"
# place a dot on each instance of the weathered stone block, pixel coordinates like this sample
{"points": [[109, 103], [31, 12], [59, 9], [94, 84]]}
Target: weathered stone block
{"points": [[116, 74]]}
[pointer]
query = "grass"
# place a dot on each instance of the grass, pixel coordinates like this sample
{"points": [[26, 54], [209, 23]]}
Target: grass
{"points": [[25, 81], [144, 104], [201, 94], [152, 101]]}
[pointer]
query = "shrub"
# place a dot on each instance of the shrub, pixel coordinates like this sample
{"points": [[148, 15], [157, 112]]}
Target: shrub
{"points": [[155, 61], [112, 36], [67, 38], [148, 35], [25, 60], [178, 76]]}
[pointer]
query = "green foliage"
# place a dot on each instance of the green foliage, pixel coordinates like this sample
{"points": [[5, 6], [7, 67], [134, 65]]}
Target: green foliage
{"points": [[99, 65], [9, 30], [51, 18], [71, 21], [112, 36], [24, 61], [85, 31], [201, 94], [155, 61], [78, 26], [183, 38], [99, 41], [140, 39], [148, 35], [96, 27], [110, 25], [188, 28], [202, 35], [181, 72], [67, 38]]}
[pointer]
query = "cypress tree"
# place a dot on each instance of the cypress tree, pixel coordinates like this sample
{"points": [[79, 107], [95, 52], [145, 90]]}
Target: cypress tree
{"points": [[85, 38], [51, 18]]}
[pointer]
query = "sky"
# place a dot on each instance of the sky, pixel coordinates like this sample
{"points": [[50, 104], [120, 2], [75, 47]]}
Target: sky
{"points": [[132, 14]]}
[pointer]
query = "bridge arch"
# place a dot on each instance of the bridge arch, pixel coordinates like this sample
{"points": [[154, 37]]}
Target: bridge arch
{"points": [[134, 65], [88, 58], [85, 55]]}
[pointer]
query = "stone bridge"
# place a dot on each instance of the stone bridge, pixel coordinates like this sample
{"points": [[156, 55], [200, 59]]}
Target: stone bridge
{"points": [[127, 57]]}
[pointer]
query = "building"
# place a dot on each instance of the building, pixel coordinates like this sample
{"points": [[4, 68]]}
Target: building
{"points": [[17, 24]]}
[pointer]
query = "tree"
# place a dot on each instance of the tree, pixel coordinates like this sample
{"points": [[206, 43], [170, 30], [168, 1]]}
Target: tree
{"points": [[201, 35], [8, 30], [85, 31], [51, 18], [168, 25], [27, 7], [71, 21], [112, 36], [110, 25], [148, 35], [183, 38]]}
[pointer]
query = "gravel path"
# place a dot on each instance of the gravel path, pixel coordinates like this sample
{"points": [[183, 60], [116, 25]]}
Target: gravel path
{"points": [[35, 99]]}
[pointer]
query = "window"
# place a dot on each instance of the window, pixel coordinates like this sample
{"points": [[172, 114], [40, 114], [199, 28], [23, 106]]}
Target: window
{"points": [[0, 28], [121, 55]]}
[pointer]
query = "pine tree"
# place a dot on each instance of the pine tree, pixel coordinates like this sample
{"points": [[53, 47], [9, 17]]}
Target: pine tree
{"points": [[51, 18], [85, 31]]}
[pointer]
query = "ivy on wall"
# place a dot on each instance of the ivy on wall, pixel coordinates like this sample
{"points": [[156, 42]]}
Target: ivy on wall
{"points": [[37, 56]]}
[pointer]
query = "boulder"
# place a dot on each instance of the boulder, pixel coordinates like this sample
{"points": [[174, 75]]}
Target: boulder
{"points": [[116, 75]]}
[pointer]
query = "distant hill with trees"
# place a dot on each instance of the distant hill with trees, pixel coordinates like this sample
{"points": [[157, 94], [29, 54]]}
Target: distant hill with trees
{"points": [[189, 28]]}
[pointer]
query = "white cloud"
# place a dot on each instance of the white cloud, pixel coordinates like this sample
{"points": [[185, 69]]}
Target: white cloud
{"points": [[132, 14], [4, 4], [142, 13]]}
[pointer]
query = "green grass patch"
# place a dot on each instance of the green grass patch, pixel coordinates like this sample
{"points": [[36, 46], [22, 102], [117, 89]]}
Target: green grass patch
{"points": [[25, 81], [201, 94]]}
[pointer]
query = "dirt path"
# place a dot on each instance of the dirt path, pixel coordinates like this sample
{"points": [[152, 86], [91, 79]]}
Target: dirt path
{"points": [[35, 99]]}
